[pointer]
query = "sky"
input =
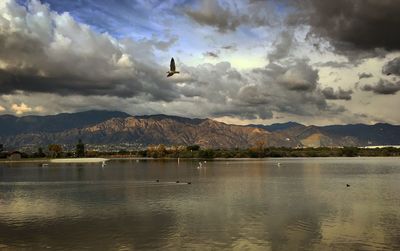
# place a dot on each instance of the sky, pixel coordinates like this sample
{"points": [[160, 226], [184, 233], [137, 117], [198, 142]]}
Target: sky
{"points": [[240, 61]]}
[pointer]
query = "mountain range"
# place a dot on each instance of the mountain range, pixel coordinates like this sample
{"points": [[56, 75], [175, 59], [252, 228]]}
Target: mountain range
{"points": [[112, 127]]}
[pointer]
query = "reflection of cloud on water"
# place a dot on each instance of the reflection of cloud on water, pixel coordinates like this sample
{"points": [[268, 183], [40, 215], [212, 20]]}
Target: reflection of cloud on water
{"points": [[365, 217], [101, 218], [295, 206], [21, 209], [249, 210], [146, 231]]}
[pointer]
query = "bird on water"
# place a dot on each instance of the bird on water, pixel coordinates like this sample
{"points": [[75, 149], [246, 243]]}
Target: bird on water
{"points": [[172, 68]]}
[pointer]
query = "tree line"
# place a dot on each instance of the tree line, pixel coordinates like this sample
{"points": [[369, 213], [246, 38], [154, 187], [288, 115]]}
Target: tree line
{"points": [[195, 151], [161, 151]]}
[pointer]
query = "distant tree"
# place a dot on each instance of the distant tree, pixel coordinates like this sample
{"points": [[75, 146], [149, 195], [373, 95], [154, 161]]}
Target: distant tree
{"points": [[55, 150], [174, 151], [91, 153], [69, 154], [161, 151], [40, 153], [207, 153], [123, 152], [193, 148], [1, 147], [350, 151], [80, 149], [156, 151]]}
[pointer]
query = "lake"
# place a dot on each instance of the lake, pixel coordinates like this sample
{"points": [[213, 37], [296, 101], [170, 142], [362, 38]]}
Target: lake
{"points": [[271, 204]]}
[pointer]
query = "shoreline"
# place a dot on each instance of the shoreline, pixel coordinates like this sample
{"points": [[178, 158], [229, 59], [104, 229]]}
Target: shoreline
{"points": [[100, 160], [57, 161], [79, 160]]}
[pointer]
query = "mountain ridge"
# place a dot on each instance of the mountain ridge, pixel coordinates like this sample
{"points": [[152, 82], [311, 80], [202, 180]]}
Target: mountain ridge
{"points": [[113, 127], [12, 125]]}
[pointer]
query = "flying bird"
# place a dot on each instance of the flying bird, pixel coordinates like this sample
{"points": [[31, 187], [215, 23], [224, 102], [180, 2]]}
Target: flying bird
{"points": [[172, 69]]}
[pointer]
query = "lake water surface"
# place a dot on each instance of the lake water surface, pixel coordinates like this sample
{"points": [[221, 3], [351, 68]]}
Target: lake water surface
{"points": [[301, 204]]}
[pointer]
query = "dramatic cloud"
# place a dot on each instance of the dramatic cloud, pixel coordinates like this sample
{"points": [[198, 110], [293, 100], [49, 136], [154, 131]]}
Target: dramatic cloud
{"points": [[225, 17], [2, 109], [392, 67], [224, 91], [42, 51], [282, 46], [299, 77], [356, 24], [213, 14], [293, 89], [329, 93], [20, 109], [58, 56], [365, 75], [384, 87]]}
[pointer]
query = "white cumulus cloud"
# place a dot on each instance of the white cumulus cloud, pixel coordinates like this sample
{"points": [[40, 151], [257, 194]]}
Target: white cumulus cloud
{"points": [[21, 108]]}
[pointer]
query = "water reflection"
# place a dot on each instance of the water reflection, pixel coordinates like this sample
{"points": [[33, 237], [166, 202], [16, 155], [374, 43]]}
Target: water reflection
{"points": [[251, 204]]}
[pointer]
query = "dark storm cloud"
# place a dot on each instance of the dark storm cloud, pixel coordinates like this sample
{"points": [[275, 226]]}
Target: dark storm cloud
{"points": [[43, 51], [329, 93], [352, 25], [211, 13], [225, 17], [392, 67], [384, 87], [365, 75]]}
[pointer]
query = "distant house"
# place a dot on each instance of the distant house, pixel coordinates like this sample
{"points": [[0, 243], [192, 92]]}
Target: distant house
{"points": [[15, 155]]}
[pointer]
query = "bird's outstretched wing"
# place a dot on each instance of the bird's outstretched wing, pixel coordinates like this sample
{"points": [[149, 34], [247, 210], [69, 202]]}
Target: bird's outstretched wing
{"points": [[172, 65], [170, 74]]}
